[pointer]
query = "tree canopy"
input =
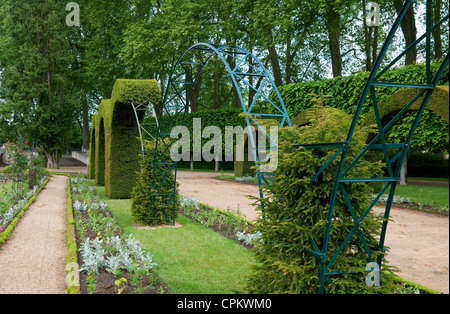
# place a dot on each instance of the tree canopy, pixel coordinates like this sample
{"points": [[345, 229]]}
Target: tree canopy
{"points": [[53, 76]]}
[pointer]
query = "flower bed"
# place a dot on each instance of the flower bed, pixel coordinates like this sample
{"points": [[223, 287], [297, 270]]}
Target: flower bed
{"points": [[12, 209], [111, 261], [231, 224]]}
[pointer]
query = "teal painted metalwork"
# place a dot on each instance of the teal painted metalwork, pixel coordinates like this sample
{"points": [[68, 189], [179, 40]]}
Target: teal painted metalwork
{"points": [[246, 72], [378, 142]]}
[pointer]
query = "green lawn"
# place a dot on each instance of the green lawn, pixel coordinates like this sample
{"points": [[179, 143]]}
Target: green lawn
{"points": [[191, 259], [427, 195]]}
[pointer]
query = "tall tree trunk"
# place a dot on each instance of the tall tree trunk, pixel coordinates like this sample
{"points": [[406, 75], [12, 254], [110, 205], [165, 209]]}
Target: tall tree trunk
{"points": [[409, 30], [52, 159], [195, 94], [289, 57], [375, 44], [367, 35], [436, 9], [335, 52], [334, 34], [404, 171], [274, 60]]}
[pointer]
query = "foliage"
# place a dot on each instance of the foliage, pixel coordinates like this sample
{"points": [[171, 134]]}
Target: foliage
{"points": [[26, 170], [219, 117], [147, 207], [432, 133], [114, 129], [12, 208], [102, 243], [39, 92], [290, 224], [230, 223], [347, 90], [406, 289]]}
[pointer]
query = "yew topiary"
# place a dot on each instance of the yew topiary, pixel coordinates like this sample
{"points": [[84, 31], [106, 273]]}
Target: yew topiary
{"points": [[291, 222], [141, 200]]}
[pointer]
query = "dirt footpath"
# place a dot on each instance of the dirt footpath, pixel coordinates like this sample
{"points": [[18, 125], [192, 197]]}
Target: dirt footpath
{"points": [[419, 246], [419, 242], [218, 193], [33, 259]]}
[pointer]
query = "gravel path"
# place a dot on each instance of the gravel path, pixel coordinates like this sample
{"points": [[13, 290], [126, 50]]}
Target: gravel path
{"points": [[33, 259]]}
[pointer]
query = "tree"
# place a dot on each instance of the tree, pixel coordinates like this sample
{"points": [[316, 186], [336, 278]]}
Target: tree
{"points": [[295, 214], [408, 26], [436, 7], [37, 77]]}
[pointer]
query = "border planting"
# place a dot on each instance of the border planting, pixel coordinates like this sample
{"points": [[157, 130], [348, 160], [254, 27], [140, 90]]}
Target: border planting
{"points": [[111, 262], [230, 223], [18, 210]]}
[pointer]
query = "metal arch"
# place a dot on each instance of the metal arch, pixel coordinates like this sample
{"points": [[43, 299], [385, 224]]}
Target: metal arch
{"points": [[379, 143], [243, 67]]}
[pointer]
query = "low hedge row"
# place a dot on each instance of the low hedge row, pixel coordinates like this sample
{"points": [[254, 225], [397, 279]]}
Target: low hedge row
{"points": [[73, 283]]}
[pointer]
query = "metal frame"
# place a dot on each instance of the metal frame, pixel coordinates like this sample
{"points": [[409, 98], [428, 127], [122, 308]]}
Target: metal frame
{"points": [[243, 67], [370, 89], [144, 127]]}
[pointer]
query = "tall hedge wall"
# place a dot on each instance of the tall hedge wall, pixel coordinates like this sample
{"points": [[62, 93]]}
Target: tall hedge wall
{"points": [[347, 90], [101, 125], [117, 146], [123, 146], [220, 118]]}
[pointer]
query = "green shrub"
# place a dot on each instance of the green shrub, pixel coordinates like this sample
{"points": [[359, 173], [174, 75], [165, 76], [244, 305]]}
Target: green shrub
{"points": [[290, 223], [141, 201]]}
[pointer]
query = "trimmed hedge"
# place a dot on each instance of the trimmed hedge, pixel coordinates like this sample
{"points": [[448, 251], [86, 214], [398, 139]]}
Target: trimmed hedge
{"points": [[117, 146], [100, 141], [220, 118], [72, 249], [346, 91], [438, 103]]}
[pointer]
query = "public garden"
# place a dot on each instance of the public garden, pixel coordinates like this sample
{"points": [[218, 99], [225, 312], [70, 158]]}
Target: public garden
{"points": [[223, 174]]}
